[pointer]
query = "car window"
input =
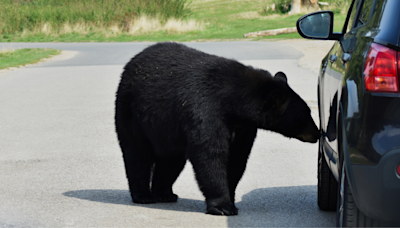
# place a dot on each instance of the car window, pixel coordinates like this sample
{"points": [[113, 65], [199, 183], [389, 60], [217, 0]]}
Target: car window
{"points": [[353, 14], [365, 12]]}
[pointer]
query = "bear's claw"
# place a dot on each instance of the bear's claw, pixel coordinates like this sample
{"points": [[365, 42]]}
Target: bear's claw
{"points": [[224, 210]]}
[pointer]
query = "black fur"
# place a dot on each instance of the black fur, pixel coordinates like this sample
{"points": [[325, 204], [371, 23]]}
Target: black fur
{"points": [[176, 103]]}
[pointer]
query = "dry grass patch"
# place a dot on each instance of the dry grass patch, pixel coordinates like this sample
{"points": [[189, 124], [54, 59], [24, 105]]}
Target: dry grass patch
{"points": [[142, 25], [5, 50], [146, 25], [179, 26]]}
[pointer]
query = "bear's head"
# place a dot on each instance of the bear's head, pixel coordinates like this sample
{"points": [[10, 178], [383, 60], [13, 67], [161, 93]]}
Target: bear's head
{"points": [[288, 114]]}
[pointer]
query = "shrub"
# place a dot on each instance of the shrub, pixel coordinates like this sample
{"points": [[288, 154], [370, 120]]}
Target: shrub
{"points": [[276, 7]]}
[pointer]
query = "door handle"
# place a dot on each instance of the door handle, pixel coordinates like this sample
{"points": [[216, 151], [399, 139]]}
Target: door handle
{"points": [[333, 58], [346, 57]]}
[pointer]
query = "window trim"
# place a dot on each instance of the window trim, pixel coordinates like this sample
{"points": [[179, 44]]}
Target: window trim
{"points": [[360, 5], [371, 12]]}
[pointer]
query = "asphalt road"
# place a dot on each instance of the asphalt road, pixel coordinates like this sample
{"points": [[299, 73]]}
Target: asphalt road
{"points": [[61, 166]]}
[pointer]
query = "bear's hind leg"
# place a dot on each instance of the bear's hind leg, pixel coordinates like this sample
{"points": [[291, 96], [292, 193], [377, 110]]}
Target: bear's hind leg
{"points": [[166, 171], [139, 164], [137, 152], [242, 142], [210, 163]]}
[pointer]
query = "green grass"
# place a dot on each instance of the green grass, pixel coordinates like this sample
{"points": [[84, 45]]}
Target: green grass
{"points": [[30, 15], [221, 20], [231, 19], [18, 57]]}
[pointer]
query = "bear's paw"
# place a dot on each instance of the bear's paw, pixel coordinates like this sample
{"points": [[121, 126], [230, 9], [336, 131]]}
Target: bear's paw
{"points": [[223, 210], [169, 198], [144, 198]]}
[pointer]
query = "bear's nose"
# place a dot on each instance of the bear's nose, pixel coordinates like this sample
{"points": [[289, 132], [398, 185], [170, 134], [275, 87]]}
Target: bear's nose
{"points": [[308, 138], [310, 134]]}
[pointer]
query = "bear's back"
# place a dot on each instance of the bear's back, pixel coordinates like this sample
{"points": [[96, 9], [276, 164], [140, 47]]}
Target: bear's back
{"points": [[162, 59], [175, 68], [172, 74]]}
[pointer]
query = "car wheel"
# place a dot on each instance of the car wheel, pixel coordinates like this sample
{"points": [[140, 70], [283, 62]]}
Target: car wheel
{"points": [[348, 215], [327, 184]]}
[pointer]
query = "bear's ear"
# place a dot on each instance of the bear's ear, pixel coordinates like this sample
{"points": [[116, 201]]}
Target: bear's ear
{"points": [[280, 76]]}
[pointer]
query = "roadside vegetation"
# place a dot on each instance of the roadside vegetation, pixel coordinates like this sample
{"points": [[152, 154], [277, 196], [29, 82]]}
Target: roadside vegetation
{"points": [[284, 6], [10, 57], [147, 20], [39, 20]]}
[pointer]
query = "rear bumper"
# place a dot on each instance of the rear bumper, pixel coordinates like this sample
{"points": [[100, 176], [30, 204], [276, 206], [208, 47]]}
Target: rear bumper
{"points": [[377, 188]]}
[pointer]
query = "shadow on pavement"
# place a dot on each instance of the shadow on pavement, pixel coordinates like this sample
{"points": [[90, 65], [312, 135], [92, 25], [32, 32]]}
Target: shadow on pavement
{"points": [[293, 206], [123, 197]]}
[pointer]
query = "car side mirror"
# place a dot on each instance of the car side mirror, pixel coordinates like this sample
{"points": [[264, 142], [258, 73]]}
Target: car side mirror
{"points": [[317, 25]]}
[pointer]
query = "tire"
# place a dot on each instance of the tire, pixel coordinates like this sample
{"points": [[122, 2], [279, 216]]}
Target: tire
{"points": [[327, 184], [348, 215]]}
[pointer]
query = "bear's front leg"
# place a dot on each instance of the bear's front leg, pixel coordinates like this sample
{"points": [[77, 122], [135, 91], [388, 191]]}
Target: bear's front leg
{"points": [[242, 141], [210, 163]]}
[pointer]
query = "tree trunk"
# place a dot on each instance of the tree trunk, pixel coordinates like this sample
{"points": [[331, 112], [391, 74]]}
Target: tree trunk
{"points": [[295, 7], [299, 6]]}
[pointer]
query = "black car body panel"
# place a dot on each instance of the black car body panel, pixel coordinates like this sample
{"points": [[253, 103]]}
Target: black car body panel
{"points": [[369, 139], [380, 188]]}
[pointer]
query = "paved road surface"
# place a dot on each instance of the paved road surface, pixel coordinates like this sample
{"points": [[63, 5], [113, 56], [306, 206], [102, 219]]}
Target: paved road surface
{"points": [[60, 163]]}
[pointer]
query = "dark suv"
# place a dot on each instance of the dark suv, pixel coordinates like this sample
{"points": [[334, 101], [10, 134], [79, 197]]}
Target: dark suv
{"points": [[359, 110]]}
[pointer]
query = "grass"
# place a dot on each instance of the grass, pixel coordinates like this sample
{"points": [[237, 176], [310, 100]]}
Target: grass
{"points": [[197, 20], [230, 19], [31, 15], [10, 57], [53, 19]]}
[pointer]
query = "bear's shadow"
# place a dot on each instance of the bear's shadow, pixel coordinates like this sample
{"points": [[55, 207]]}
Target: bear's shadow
{"points": [[123, 197], [292, 206]]}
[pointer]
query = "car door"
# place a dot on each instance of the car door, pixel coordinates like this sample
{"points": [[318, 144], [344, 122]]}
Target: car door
{"points": [[339, 63]]}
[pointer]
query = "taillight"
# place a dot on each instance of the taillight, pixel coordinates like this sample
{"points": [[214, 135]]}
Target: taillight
{"points": [[381, 69]]}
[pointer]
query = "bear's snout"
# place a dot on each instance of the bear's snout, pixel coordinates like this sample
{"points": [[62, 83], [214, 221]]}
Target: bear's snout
{"points": [[311, 134]]}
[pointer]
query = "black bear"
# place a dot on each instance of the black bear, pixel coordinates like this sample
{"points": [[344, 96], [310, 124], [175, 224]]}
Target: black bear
{"points": [[176, 103]]}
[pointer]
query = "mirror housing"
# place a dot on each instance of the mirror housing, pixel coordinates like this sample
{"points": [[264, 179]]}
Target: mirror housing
{"points": [[318, 26]]}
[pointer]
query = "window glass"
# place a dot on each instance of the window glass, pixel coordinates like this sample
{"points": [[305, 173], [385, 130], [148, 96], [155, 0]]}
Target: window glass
{"points": [[365, 12]]}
